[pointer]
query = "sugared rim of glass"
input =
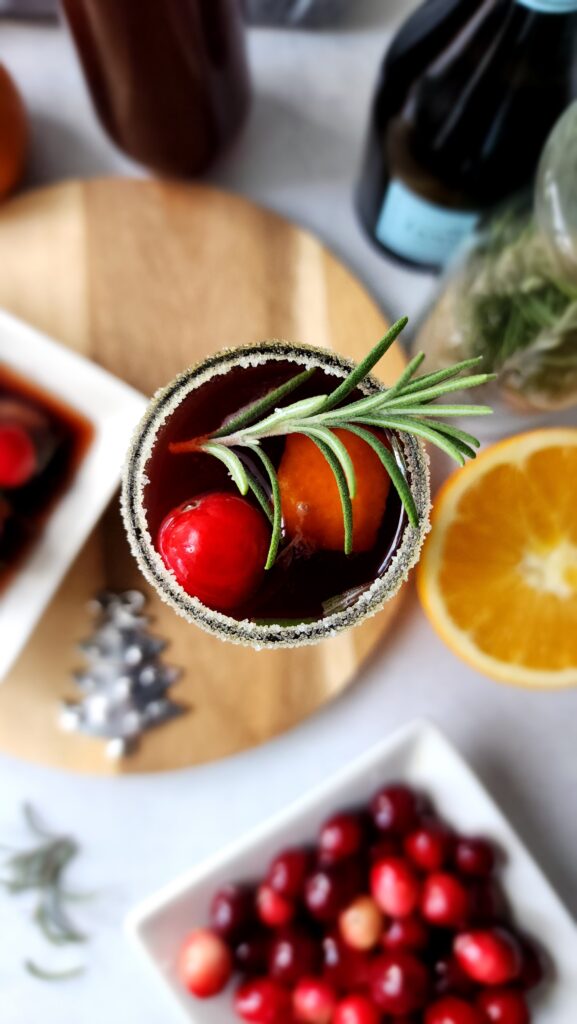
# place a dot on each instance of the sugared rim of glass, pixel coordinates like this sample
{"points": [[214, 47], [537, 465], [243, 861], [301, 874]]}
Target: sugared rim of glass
{"points": [[243, 631]]}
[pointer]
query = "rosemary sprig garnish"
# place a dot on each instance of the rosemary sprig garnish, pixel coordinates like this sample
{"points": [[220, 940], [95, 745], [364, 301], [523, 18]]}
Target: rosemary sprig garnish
{"points": [[41, 869], [405, 408]]}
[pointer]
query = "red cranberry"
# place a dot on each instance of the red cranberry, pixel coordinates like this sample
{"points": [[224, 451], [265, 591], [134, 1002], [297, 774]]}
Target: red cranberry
{"points": [[293, 954], [262, 1001], [395, 887], [429, 846], [343, 967], [340, 837], [445, 901], [406, 933], [474, 857], [356, 1010], [273, 910], [487, 902], [252, 952], [204, 964], [533, 967], [490, 957], [504, 1006], [452, 1010], [231, 910], [450, 978], [216, 545], [329, 889], [18, 461], [314, 1001], [288, 871], [399, 983], [395, 810], [361, 923]]}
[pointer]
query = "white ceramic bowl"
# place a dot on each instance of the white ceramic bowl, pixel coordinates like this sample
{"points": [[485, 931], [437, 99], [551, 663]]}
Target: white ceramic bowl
{"points": [[113, 408], [420, 755]]}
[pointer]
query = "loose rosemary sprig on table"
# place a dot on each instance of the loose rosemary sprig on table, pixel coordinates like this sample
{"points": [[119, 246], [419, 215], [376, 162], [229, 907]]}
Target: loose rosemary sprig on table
{"points": [[41, 869], [403, 408]]}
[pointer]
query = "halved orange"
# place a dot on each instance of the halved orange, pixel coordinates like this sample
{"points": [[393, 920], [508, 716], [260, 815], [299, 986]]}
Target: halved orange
{"points": [[498, 574]]}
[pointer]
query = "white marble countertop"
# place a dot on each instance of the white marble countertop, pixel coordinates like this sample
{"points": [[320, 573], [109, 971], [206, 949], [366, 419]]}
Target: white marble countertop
{"points": [[298, 155]]}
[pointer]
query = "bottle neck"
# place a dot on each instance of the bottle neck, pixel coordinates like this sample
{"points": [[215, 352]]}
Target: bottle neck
{"points": [[549, 6]]}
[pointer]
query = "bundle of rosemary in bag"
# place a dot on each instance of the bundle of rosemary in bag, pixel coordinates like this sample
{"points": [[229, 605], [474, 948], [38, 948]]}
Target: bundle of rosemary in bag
{"points": [[513, 299]]}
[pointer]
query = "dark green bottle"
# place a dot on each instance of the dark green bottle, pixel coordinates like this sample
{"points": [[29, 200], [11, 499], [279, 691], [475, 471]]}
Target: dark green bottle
{"points": [[468, 93]]}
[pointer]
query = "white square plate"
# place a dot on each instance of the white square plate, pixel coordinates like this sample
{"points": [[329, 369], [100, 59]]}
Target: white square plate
{"points": [[420, 755], [113, 408]]}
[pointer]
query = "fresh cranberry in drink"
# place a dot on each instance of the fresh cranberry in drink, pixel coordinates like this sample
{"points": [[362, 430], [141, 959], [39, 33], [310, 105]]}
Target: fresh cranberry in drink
{"points": [[216, 546]]}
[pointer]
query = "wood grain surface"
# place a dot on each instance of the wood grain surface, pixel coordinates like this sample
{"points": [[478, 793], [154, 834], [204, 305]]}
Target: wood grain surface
{"points": [[146, 278]]}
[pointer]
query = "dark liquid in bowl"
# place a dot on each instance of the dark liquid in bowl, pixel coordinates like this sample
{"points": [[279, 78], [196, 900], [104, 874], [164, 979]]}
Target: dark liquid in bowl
{"points": [[62, 438], [300, 583]]}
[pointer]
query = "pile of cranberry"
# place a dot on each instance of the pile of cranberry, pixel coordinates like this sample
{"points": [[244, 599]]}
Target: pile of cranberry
{"points": [[391, 919]]}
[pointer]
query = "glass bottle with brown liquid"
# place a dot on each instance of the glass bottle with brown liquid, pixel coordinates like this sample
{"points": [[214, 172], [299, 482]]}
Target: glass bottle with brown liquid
{"points": [[169, 79]]}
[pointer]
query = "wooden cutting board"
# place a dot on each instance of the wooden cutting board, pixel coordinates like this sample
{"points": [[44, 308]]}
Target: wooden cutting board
{"points": [[146, 278]]}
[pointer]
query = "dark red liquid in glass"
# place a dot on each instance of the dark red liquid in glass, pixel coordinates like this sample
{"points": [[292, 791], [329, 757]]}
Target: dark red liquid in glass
{"points": [[61, 437], [300, 583], [169, 78]]}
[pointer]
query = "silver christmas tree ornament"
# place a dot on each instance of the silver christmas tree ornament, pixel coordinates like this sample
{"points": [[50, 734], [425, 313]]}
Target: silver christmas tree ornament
{"points": [[124, 687]]}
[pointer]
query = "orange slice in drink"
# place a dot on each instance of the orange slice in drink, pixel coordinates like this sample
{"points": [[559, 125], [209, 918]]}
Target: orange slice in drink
{"points": [[498, 574], [311, 505]]}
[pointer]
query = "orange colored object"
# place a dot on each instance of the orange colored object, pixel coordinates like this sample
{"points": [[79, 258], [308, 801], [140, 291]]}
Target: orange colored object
{"points": [[13, 134], [311, 504], [498, 573]]}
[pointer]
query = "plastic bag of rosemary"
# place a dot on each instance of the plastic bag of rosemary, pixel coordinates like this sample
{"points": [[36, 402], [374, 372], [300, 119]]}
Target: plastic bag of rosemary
{"points": [[513, 298]]}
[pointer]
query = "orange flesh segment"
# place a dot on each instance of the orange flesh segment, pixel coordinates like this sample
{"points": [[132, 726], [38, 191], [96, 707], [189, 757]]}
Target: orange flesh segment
{"points": [[311, 504]]}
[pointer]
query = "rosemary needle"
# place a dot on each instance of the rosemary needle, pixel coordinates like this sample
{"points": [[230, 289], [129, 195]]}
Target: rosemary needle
{"points": [[44, 975]]}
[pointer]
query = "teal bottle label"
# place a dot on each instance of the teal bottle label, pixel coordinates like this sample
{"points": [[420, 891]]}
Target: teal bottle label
{"points": [[550, 6], [421, 231]]}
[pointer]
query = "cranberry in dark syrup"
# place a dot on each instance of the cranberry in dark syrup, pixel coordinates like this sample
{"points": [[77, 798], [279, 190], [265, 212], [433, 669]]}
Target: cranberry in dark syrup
{"points": [[60, 437], [296, 588]]}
